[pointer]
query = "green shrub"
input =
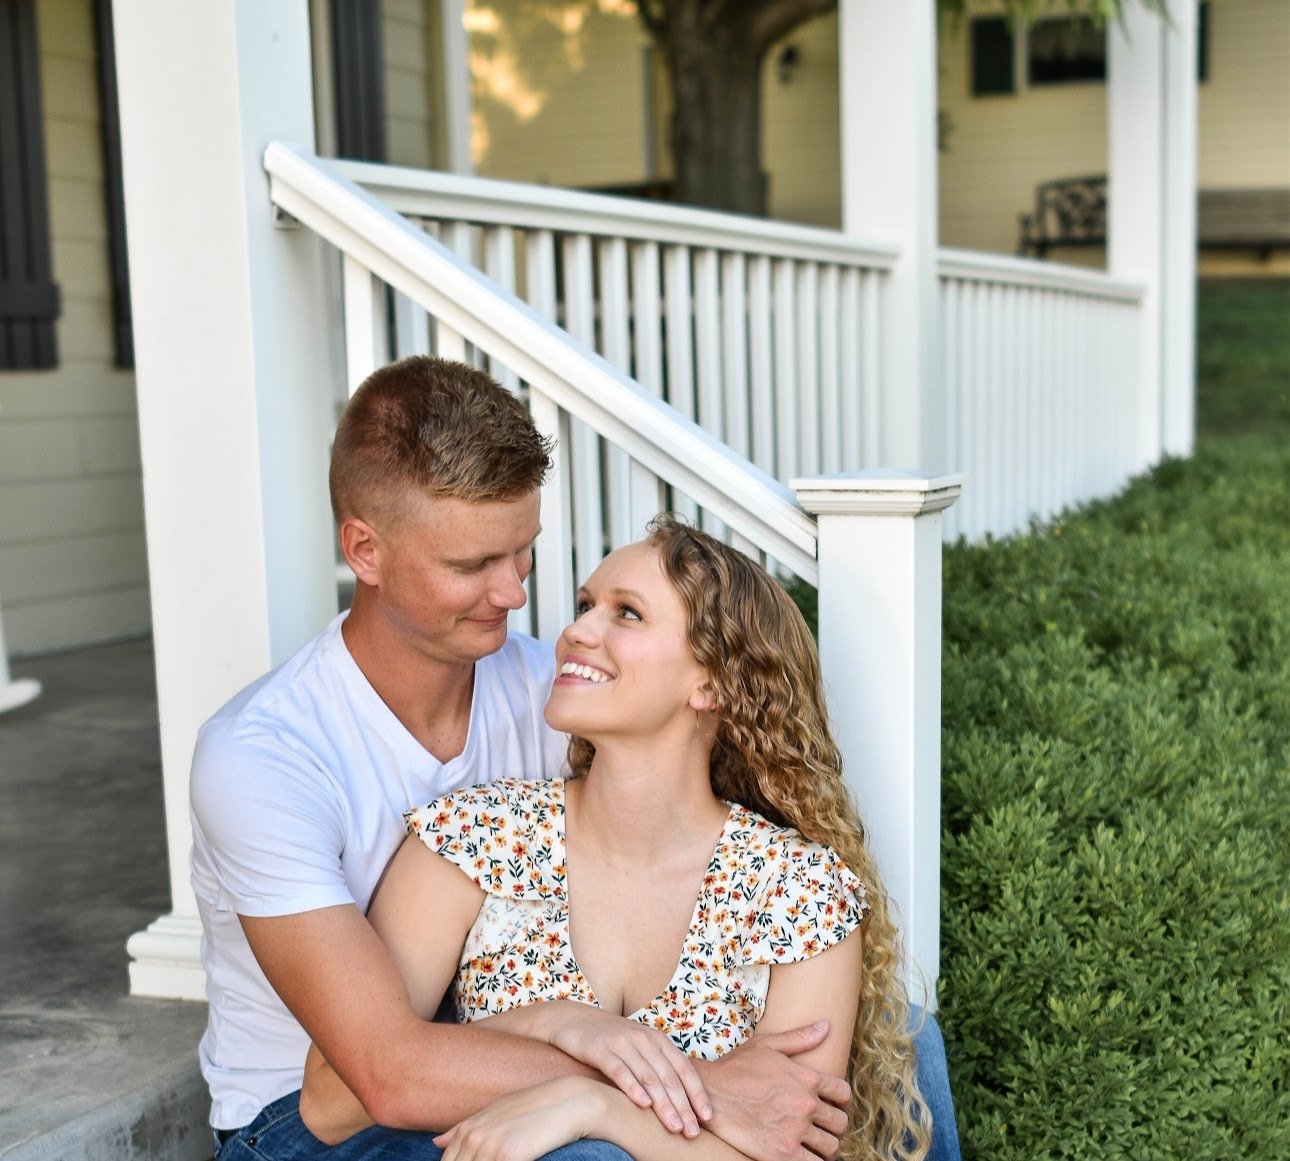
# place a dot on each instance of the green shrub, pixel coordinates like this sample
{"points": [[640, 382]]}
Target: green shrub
{"points": [[1116, 772]]}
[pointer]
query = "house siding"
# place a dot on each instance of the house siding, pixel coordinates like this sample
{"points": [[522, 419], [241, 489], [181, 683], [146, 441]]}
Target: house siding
{"points": [[72, 558], [1001, 147], [565, 105], [409, 82]]}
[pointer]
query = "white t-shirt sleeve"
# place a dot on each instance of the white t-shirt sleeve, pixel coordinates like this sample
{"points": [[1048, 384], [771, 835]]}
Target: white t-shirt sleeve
{"points": [[269, 821]]}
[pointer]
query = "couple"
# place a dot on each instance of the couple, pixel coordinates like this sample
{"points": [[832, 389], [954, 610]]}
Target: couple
{"points": [[700, 752]]}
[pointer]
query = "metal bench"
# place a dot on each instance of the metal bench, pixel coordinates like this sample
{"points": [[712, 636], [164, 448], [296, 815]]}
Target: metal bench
{"points": [[1072, 212]]}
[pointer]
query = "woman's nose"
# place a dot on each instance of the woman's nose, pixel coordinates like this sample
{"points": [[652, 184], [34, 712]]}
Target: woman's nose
{"points": [[582, 629]]}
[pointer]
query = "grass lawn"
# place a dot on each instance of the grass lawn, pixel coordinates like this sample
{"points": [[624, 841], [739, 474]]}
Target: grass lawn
{"points": [[1116, 861]]}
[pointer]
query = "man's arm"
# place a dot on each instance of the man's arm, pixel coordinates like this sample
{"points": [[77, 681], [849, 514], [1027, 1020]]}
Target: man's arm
{"points": [[337, 977]]}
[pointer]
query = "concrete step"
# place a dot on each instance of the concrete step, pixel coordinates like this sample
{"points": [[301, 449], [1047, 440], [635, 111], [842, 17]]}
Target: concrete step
{"points": [[116, 1081]]}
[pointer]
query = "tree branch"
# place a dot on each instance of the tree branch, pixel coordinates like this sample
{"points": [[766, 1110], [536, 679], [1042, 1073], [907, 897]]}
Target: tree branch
{"points": [[653, 17], [774, 21]]}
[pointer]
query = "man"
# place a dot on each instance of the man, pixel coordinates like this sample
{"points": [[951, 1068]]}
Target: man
{"points": [[299, 782]]}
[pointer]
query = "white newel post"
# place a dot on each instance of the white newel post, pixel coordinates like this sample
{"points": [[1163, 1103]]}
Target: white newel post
{"points": [[234, 383], [887, 74], [880, 648], [1151, 208]]}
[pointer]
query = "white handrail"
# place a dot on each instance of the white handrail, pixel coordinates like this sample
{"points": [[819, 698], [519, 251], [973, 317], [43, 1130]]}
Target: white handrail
{"points": [[972, 266], [429, 194], [318, 194]]}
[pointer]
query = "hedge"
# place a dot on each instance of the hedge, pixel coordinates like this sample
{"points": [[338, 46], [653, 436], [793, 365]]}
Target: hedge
{"points": [[1116, 807]]}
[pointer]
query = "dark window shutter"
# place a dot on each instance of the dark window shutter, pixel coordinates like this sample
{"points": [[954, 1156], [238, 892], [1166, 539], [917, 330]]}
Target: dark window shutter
{"points": [[29, 300], [1202, 41], [359, 62], [113, 188], [993, 60]]}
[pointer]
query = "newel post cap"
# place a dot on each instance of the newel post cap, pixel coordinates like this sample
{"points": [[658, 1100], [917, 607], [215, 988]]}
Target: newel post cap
{"points": [[878, 492]]}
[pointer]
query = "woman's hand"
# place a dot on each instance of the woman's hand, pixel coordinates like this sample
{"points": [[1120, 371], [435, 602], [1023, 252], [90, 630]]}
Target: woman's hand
{"points": [[528, 1124], [650, 1070]]}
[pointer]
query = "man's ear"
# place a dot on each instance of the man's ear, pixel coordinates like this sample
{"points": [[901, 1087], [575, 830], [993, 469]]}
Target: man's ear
{"points": [[361, 544], [703, 699]]}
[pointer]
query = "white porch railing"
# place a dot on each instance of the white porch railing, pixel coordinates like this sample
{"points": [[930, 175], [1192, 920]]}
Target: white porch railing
{"points": [[1044, 394], [764, 333], [623, 454], [769, 336], [875, 545]]}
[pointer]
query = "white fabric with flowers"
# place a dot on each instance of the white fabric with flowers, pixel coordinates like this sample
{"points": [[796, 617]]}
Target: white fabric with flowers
{"points": [[769, 896]]}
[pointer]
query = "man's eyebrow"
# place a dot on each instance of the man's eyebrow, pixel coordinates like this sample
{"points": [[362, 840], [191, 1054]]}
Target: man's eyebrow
{"points": [[464, 561]]}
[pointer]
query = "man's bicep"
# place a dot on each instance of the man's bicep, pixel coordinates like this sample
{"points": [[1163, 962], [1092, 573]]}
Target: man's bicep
{"points": [[332, 971]]}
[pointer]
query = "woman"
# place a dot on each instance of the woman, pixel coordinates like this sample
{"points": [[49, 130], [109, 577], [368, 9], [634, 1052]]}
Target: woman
{"points": [[702, 766]]}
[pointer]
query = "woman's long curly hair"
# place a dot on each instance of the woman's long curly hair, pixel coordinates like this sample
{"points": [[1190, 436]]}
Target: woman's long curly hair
{"points": [[774, 754]]}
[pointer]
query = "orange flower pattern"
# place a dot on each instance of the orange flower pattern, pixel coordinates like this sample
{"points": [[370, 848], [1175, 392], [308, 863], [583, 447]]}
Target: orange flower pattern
{"points": [[769, 896]]}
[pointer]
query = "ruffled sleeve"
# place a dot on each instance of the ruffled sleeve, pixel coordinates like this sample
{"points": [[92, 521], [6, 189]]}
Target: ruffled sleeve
{"points": [[807, 901], [507, 836]]}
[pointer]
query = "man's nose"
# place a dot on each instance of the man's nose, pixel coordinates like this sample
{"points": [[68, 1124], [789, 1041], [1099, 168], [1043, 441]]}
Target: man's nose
{"points": [[508, 590]]}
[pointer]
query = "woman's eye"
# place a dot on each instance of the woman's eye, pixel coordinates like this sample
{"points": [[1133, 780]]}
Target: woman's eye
{"points": [[629, 613], [581, 607]]}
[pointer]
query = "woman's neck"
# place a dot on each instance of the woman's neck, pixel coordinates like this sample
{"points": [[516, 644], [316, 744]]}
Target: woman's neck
{"points": [[636, 804]]}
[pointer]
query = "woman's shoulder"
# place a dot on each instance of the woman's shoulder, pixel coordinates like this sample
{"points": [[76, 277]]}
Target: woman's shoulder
{"points": [[504, 834], [490, 804], [798, 894]]}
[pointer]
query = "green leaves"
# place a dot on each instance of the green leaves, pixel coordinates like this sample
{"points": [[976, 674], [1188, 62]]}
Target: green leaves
{"points": [[1116, 802]]}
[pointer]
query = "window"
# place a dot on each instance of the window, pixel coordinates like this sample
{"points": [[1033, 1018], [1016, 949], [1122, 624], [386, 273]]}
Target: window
{"points": [[993, 57], [29, 299], [1069, 48], [359, 63]]}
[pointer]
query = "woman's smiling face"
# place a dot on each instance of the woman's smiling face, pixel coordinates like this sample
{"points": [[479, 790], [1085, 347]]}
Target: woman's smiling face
{"points": [[625, 667]]}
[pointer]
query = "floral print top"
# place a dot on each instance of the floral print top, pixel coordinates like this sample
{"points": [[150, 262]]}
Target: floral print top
{"points": [[769, 896]]}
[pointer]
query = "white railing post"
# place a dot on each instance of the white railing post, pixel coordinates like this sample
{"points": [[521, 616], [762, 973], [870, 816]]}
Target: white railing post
{"points": [[880, 648], [14, 692], [1151, 213], [235, 385]]}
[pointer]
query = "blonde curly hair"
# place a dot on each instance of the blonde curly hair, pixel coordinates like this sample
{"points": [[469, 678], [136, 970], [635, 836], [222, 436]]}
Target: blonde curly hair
{"points": [[774, 754]]}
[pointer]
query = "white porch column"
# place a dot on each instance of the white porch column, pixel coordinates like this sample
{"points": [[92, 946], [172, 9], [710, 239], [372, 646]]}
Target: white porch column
{"points": [[887, 73], [14, 692], [1151, 208], [880, 648], [233, 381]]}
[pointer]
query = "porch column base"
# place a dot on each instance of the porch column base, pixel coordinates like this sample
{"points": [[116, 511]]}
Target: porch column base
{"points": [[167, 959], [880, 597]]}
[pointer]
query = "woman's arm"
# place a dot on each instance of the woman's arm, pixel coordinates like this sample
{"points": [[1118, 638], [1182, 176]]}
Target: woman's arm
{"points": [[530, 1124], [826, 986], [423, 910]]}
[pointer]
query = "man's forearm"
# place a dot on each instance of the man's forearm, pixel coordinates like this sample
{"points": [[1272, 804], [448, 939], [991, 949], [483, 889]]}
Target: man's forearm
{"points": [[447, 1072]]}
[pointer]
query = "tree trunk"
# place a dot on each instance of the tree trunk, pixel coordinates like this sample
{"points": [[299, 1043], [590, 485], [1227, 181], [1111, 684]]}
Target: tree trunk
{"points": [[716, 122]]}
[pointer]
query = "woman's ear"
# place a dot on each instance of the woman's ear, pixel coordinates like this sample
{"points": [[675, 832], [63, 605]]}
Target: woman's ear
{"points": [[703, 699], [360, 544]]}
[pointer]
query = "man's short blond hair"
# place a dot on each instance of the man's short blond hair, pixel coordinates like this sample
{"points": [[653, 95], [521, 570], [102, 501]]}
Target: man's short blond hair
{"points": [[433, 428]]}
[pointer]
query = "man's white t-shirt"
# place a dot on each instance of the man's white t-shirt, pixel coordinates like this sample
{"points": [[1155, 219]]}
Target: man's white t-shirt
{"points": [[298, 787]]}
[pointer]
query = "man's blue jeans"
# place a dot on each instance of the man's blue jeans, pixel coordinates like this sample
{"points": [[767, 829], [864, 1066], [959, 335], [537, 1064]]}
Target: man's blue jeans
{"points": [[278, 1134]]}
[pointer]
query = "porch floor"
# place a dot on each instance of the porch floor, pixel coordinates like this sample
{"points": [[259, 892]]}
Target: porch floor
{"points": [[86, 1071]]}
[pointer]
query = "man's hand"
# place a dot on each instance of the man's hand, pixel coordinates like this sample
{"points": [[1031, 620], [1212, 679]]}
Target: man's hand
{"points": [[771, 1108]]}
